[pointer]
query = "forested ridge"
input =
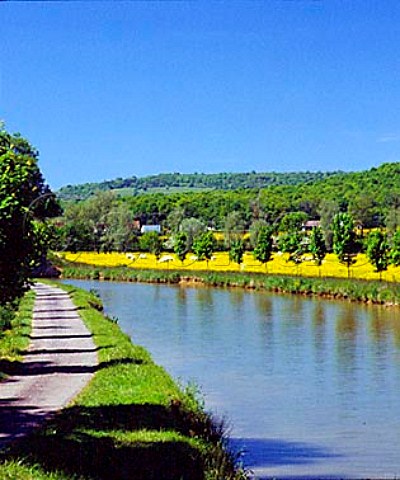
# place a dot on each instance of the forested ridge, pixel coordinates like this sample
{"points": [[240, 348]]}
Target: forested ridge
{"points": [[368, 195], [187, 181]]}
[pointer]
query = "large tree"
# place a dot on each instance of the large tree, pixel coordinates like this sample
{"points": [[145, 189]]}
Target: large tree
{"points": [[25, 202], [327, 210]]}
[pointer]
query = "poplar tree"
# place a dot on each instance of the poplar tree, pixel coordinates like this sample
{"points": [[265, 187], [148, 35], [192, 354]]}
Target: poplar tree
{"points": [[344, 239], [180, 245], [317, 245], [236, 251], [203, 246], [263, 249], [378, 251]]}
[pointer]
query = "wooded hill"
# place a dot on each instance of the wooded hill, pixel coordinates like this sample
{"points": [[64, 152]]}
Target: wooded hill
{"points": [[182, 182], [372, 197]]}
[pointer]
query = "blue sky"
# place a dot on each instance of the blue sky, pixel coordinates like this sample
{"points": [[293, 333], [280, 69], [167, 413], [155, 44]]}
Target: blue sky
{"points": [[113, 89]]}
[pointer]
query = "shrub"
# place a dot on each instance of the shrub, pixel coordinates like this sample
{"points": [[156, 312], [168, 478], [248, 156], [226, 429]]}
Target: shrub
{"points": [[7, 315]]}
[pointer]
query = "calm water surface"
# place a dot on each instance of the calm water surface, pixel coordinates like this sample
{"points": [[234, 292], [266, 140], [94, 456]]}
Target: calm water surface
{"points": [[311, 387]]}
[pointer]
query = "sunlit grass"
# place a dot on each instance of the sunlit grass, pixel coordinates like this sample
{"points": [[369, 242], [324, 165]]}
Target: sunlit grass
{"points": [[331, 267], [15, 340]]}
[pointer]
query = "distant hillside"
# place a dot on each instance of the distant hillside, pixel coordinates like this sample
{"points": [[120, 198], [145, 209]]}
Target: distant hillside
{"points": [[184, 182], [368, 195]]}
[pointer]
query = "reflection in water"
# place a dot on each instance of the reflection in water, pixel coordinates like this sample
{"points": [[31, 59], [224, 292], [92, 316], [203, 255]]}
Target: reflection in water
{"points": [[237, 298], [181, 298], [346, 351], [264, 305], [395, 324], [319, 334], [204, 298], [379, 327], [346, 323], [310, 386]]}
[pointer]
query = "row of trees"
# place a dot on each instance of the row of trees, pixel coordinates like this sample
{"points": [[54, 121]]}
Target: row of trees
{"points": [[105, 223], [25, 204]]}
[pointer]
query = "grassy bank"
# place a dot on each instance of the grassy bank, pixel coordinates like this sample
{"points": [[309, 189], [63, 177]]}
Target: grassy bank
{"points": [[387, 293], [131, 422], [14, 339]]}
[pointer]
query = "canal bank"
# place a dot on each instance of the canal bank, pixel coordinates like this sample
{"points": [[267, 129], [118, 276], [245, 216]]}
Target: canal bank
{"points": [[309, 386], [132, 421], [371, 292]]}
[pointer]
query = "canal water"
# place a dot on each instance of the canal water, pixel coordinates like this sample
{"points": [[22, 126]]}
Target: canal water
{"points": [[311, 387]]}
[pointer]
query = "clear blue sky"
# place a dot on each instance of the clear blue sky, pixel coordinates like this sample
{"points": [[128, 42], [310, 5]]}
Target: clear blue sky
{"points": [[114, 89]]}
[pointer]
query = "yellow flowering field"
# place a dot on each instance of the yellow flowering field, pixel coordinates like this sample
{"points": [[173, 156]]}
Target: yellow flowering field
{"points": [[330, 267]]}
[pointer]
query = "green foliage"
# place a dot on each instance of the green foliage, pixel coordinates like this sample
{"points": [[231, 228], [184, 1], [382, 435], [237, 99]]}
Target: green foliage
{"points": [[263, 248], [180, 245], [378, 250], [362, 207], [255, 228], [203, 246], [292, 243], [344, 238], [218, 181], [233, 211], [317, 245], [119, 235], [392, 220], [151, 242], [25, 201], [7, 314], [236, 251], [86, 224], [192, 227], [175, 218], [234, 227], [16, 319], [395, 249], [327, 210], [292, 221]]}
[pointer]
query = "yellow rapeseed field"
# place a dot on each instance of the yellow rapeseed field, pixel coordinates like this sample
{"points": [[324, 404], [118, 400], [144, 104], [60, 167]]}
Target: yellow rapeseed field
{"points": [[330, 267]]}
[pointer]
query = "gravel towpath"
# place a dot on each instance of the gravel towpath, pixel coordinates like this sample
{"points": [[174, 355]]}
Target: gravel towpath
{"points": [[60, 361]]}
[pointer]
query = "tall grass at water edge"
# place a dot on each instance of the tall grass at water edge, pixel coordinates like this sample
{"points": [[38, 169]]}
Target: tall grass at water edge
{"points": [[379, 292]]}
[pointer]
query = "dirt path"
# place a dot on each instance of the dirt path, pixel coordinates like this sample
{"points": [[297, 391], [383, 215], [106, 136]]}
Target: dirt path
{"points": [[60, 361]]}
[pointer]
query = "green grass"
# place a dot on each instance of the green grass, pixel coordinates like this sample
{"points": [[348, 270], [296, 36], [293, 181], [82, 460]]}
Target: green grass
{"points": [[131, 422], [15, 340]]}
